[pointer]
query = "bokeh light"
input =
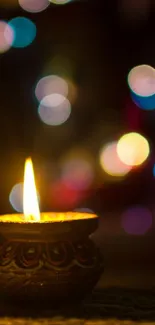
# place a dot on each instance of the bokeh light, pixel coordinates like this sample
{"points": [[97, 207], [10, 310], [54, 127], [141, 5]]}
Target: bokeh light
{"points": [[51, 85], [137, 220], [77, 173], [141, 81], [6, 36], [64, 197], [24, 31], [154, 170], [60, 2], [16, 197], [54, 109], [146, 103], [110, 161], [133, 149], [34, 5]]}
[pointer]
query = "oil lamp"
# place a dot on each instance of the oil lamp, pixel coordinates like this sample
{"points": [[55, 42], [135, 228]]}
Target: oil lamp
{"points": [[47, 256]]}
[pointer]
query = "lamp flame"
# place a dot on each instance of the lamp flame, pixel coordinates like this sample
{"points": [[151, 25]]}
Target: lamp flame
{"points": [[30, 200]]}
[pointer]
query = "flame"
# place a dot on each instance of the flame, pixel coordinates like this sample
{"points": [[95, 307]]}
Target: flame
{"points": [[30, 200]]}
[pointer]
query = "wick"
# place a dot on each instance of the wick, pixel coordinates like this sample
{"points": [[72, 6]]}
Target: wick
{"points": [[30, 218]]}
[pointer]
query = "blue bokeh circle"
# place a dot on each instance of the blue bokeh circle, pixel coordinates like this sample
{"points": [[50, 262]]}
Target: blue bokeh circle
{"points": [[24, 31]]}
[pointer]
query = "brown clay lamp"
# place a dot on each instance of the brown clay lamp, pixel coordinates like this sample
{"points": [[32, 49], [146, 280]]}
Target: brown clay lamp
{"points": [[47, 256]]}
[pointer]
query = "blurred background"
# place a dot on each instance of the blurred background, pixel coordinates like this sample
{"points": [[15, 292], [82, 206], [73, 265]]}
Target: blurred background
{"points": [[77, 94]]}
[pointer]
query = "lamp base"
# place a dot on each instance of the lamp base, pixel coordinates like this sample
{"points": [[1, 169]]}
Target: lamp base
{"points": [[63, 271]]}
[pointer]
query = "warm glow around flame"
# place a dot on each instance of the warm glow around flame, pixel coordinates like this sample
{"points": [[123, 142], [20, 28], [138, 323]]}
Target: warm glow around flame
{"points": [[30, 200]]}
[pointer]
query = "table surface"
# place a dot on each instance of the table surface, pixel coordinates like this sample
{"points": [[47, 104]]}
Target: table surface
{"points": [[108, 306]]}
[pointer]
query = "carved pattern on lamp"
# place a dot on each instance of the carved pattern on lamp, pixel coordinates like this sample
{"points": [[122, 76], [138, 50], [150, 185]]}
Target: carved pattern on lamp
{"points": [[55, 255]]}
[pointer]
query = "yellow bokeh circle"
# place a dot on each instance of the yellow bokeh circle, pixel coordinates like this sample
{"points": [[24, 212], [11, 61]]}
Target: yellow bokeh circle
{"points": [[133, 149]]}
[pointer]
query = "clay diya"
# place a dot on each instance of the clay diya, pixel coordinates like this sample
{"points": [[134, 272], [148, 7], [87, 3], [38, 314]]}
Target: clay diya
{"points": [[48, 257]]}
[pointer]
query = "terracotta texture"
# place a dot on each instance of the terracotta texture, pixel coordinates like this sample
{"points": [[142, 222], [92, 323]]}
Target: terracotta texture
{"points": [[36, 265]]}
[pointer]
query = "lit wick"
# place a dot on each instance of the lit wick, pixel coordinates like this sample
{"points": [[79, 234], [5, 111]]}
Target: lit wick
{"points": [[30, 200]]}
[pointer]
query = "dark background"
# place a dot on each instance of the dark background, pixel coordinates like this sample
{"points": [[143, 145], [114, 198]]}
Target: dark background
{"points": [[102, 41]]}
